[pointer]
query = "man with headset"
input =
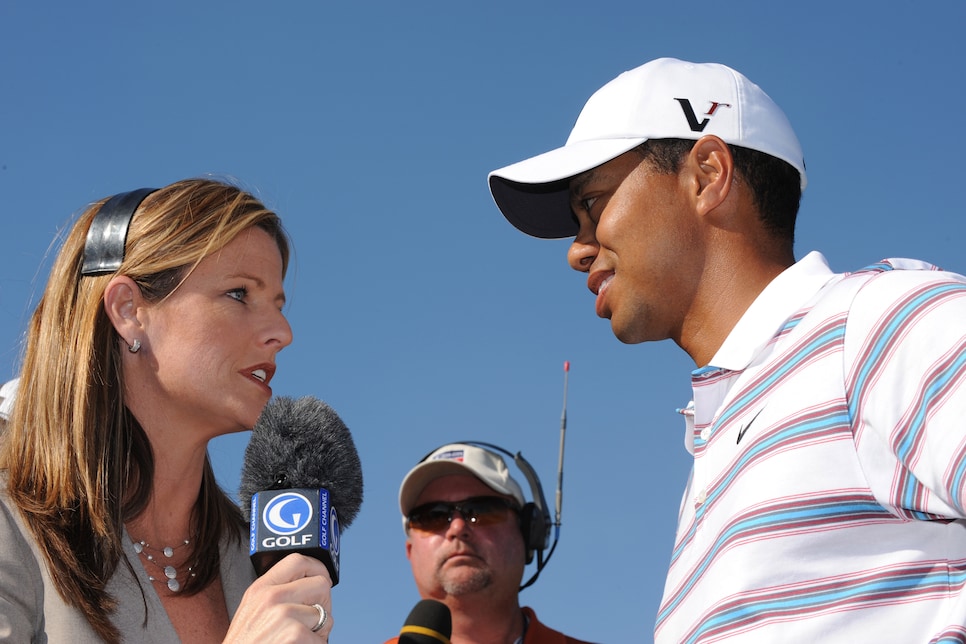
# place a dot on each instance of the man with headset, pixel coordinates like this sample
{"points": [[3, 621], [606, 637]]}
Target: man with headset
{"points": [[469, 535]]}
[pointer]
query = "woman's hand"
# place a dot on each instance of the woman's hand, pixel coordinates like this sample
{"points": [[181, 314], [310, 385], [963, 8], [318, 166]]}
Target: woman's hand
{"points": [[283, 605]]}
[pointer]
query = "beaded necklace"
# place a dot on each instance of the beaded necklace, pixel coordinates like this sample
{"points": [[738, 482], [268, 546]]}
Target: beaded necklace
{"points": [[144, 549]]}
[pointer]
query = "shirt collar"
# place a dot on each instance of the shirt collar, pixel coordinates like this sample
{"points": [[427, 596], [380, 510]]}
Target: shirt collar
{"points": [[783, 296]]}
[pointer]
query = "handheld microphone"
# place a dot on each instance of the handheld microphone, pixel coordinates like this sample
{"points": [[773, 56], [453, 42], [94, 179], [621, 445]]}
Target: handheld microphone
{"points": [[429, 622], [300, 465]]}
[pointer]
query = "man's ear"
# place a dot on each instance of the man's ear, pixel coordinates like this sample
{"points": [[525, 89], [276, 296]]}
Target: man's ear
{"points": [[122, 301], [713, 167]]}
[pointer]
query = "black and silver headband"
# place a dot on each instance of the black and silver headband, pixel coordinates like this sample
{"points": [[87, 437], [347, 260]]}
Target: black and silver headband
{"points": [[104, 248]]}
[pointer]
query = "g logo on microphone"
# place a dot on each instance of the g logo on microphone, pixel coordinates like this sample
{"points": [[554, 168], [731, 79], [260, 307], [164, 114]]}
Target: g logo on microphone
{"points": [[287, 513]]}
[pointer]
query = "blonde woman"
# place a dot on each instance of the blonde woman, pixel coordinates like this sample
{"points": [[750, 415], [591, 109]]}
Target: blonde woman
{"points": [[158, 331]]}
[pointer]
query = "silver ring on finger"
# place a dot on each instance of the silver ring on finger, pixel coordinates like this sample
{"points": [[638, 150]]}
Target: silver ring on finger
{"points": [[323, 617]]}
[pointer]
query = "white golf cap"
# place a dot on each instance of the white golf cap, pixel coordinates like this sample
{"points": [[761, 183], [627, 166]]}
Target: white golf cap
{"points": [[458, 458], [663, 99]]}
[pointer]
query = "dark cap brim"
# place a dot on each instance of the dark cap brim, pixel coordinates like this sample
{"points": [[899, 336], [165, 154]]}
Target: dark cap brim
{"points": [[534, 194]]}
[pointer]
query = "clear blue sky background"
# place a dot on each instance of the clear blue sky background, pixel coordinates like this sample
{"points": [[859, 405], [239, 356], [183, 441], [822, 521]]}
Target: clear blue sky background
{"points": [[419, 314]]}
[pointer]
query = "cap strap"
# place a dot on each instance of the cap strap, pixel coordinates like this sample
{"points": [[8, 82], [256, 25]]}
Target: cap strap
{"points": [[104, 248]]}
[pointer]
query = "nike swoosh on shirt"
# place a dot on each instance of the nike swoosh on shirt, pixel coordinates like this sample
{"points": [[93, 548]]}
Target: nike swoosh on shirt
{"points": [[741, 432]]}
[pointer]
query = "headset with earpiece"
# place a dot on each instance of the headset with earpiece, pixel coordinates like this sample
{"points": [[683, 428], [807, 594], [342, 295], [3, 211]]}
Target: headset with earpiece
{"points": [[535, 522]]}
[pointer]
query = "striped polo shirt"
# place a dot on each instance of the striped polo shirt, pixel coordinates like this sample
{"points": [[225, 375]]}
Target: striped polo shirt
{"points": [[826, 499]]}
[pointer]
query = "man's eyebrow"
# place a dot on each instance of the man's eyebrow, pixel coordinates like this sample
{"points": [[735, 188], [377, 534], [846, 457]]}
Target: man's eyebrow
{"points": [[578, 183]]}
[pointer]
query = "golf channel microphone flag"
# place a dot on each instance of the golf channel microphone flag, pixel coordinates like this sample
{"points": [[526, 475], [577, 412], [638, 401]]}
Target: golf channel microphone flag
{"points": [[301, 483]]}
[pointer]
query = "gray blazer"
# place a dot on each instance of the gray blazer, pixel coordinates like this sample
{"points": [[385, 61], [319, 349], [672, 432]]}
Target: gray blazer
{"points": [[31, 609]]}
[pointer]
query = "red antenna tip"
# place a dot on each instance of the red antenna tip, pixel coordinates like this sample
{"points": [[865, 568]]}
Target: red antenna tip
{"points": [[566, 365]]}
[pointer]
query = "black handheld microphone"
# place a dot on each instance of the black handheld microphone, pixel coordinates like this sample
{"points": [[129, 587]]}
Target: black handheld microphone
{"points": [[300, 465], [429, 622]]}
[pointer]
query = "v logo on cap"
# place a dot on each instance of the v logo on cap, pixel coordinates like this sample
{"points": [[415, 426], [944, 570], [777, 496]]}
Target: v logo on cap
{"points": [[692, 117]]}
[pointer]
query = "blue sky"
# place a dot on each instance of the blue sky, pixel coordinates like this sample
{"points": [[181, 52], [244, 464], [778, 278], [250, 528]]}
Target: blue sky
{"points": [[419, 313]]}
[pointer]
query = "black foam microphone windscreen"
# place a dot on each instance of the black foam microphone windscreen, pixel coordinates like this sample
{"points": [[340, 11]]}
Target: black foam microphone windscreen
{"points": [[300, 465], [429, 622]]}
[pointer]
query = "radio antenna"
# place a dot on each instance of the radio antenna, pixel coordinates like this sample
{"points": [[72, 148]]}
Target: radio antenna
{"points": [[542, 559], [563, 434]]}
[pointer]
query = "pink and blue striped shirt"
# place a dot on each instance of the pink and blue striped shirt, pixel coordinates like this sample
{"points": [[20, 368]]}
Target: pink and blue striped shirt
{"points": [[827, 500]]}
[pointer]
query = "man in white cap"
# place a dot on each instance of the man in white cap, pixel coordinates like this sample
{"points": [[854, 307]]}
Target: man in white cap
{"points": [[828, 492], [465, 541]]}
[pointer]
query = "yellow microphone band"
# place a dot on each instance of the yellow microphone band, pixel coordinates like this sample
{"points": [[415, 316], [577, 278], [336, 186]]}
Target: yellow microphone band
{"points": [[422, 630]]}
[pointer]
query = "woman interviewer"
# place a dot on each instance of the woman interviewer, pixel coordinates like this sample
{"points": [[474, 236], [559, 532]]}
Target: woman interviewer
{"points": [[158, 331]]}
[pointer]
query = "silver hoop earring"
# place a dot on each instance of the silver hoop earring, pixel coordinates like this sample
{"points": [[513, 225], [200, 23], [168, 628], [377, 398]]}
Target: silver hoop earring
{"points": [[134, 348]]}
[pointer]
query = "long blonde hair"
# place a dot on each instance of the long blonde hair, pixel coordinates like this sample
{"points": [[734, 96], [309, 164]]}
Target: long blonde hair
{"points": [[78, 463]]}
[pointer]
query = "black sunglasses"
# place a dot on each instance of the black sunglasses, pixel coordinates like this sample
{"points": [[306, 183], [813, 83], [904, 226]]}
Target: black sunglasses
{"points": [[477, 510]]}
